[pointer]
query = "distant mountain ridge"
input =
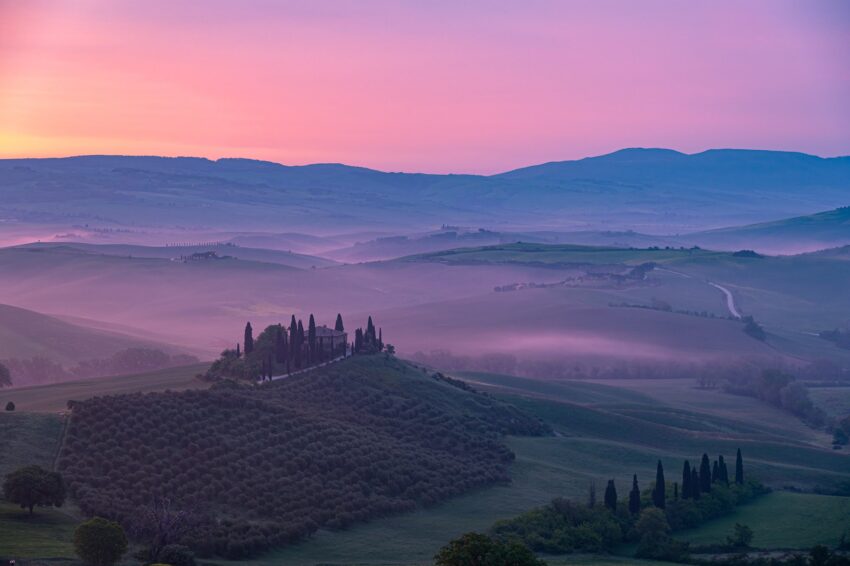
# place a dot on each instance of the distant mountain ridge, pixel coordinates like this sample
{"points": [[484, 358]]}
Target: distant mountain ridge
{"points": [[649, 190]]}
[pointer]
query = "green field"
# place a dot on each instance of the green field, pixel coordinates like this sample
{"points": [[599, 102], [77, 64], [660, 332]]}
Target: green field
{"points": [[558, 255], [27, 439], [782, 520], [55, 396], [46, 535]]}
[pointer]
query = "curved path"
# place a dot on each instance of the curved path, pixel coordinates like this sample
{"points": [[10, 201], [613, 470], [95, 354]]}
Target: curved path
{"points": [[730, 300]]}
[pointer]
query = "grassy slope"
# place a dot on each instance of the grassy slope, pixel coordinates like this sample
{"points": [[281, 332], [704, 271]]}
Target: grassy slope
{"points": [[782, 520], [46, 535], [604, 432], [834, 400], [54, 397]]}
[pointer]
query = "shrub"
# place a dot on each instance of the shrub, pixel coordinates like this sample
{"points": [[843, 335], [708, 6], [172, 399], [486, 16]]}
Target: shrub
{"points": [[99, 542]]}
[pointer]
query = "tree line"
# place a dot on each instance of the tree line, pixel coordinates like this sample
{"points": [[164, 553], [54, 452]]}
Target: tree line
{"points": [[647, 517]]}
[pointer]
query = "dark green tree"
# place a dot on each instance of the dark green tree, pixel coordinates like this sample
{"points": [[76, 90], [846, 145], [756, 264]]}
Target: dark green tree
{"points": [[611, 496], [686, 480], [659, 497], [10, 406], [311, 335], [741, 537], [724, 472], [249, 339], [474, 549], [705, 474], [99, 542], [293, 338], [634, 497], [715, 472], [34, 486], [675, 491], [739, 468], [280, 344], [371, 337], [339, 327]]}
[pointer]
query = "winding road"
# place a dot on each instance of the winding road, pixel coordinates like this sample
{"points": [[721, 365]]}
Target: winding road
{"points": [[730, 300]]}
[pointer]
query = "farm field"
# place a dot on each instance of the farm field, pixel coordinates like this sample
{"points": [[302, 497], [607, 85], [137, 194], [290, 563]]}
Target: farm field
{"points": [[27, 439], [782, 520], [55, 396]]}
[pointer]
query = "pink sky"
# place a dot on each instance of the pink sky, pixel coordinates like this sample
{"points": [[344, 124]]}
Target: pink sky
{"points": [[438, 86]]}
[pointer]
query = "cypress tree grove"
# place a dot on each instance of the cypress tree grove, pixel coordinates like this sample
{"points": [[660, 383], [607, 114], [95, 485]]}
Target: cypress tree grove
{"points": [[686, 480], [611, 496], [339, 327], [705, 474], [739, 468], [659, 496], [695, 483], [634, 497], [724, 472], [249, 339]]}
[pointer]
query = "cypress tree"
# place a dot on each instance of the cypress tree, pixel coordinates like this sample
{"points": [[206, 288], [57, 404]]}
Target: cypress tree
{"points": [[724, 472], [715, 472], [371, 338], [238, 352], [591, 494], [634, 497], [705, 474], [300, 347], [739, 468], [293, 337], [380, 339], [339, 326], [311, 333], [249, 339], [686, 480], [658, 494], [695, 483], [611, 496], [675, 491]]}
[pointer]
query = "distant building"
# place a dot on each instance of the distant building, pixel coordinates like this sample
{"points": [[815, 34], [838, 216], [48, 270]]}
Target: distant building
{"points": [[331, 342]]}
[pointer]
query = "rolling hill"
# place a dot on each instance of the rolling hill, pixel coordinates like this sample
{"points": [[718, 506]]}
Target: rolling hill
{"points": [[27, 334], [793, 235], [646, 190]]}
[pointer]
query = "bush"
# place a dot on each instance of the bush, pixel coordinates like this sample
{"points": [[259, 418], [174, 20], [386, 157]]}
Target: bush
{"points": [[741, 537], [10, 406], [474, 549], [99, 542], [176, 555]]}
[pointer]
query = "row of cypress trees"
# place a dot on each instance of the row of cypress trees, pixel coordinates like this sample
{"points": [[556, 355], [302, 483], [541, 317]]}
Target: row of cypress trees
{"points": [[694, 482], [294, 348]]}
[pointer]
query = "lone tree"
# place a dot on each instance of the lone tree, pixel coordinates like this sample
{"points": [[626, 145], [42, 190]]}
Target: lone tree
{"points": [[339, 327], [634, 497], [10, 406], [99, 542], [249, 339], [658, 494], [611, 496], [739, 468], [705, 474], [34, 486], [686, 480]]}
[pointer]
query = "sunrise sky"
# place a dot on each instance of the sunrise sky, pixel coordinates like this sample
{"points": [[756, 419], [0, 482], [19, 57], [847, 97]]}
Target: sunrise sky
{"points": [[438, 86]]}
